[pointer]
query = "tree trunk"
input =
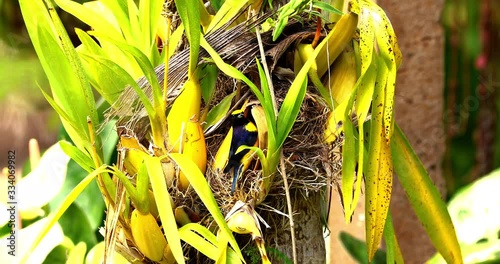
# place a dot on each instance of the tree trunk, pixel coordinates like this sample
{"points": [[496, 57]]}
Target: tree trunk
{"points": [[308, 230]]}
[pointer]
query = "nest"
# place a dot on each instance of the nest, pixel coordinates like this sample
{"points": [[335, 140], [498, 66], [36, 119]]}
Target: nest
{"points": [[304, 151]]}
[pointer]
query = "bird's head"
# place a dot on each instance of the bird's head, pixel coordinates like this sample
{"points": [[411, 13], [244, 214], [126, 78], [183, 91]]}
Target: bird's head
{"points": [[241, 116]]}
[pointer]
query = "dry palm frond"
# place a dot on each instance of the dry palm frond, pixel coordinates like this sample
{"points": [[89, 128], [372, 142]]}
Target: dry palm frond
{"points": [[236, 45]]}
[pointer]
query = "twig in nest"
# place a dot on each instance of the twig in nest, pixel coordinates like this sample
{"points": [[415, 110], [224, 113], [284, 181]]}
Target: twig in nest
{"points": [[111, 224], [289, 204]]}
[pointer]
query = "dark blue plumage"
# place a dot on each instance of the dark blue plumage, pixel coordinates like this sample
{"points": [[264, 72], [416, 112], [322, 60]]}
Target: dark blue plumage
{"points": [[244, 134]]}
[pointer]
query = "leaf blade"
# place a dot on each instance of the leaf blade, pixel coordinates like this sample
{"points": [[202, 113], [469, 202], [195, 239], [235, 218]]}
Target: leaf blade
{"points": [[425, 198], [200, 185], [162, 197]]}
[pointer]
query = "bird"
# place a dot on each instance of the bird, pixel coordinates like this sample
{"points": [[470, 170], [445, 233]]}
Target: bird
{"points": [[244, 134]]}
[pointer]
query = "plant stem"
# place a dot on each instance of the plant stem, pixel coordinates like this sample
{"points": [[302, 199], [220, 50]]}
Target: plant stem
{"points": [[266, 70], [289, 205], [104, 181]]}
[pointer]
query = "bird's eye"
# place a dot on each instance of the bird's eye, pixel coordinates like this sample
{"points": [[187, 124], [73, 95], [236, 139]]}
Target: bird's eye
{"points": [[241, 116]]}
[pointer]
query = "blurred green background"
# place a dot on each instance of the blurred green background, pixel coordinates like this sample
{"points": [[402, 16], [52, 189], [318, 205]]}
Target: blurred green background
{"points": [[472, 101]]}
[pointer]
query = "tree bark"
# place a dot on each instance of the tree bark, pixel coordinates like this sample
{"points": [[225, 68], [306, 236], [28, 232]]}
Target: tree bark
{"points": [[308, 230]]}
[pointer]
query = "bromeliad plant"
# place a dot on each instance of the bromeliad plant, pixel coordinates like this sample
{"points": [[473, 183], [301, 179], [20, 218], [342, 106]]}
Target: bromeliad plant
{"points": [[166, 190]]}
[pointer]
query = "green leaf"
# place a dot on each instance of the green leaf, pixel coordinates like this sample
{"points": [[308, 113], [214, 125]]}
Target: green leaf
{"points": [[134, 24], [218, 112], [200, 238], [483, 252], [54, 217], [189, 11], [94, 19], [352, 153], [75, 225], [425, 198], [70, 88], [107, 77], [268, 106], [216, 4], [364, 94], [291, 8], [106, 49], [379, 169], [65, 117], [222, 250], [280, 25], [129, 187], [58, 255], [366, 39], [89, 200], [96, 255], [105, 73], [149, 15], [232, 257], [230, 70], [294, 97], [148, 71], [77, 253], [348, 169], [474, 212], [82, 87], [260, 154], [109, 139], [200, 185], [291, 105], [228, 10], [88, 45], [76, 122], [207, 74], [162, 198], [116, 11], [201, 230], [326, 7], [142, 188], [357, 249], [391, 243], [144, 63]]}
